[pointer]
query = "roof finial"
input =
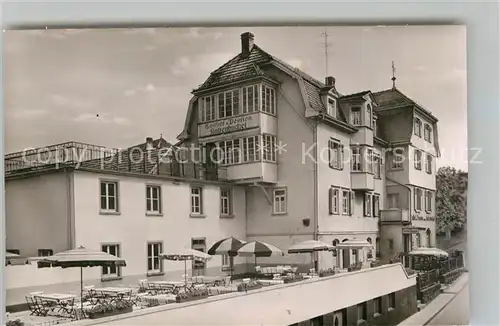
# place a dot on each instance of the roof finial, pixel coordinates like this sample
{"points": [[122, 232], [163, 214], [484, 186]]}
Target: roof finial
{"points": [[393, 76]]}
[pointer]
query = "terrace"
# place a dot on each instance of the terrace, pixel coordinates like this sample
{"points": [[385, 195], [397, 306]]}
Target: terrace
{"points": [[137, 160], [149, 302]]}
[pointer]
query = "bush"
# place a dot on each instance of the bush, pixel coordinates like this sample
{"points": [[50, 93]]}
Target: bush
{"points": [[17, 322]]}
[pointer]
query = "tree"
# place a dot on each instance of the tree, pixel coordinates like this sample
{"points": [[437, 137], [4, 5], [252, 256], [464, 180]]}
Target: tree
{"points": [[451, 199]]}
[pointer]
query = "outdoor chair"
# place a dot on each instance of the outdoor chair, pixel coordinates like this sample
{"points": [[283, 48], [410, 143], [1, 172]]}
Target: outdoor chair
{"points": [[36, 306]]}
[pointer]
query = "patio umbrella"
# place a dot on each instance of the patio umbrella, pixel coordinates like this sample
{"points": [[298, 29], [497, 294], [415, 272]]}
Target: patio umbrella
{"points": [[228, 246], [310, 246], [185, 255], [81, 257], [259, 249], [354, 244]]}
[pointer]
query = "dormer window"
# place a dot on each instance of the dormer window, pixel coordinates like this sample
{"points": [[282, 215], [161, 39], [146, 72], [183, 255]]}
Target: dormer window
{"points": [[356, 116], [331, 109], [417, 127]]}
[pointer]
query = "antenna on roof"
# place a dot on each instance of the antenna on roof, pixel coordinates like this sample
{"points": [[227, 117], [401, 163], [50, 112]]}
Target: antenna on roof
{"points": [[393, 76], [326, 45]]}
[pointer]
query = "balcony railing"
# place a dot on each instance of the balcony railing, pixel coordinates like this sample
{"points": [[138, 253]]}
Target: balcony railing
{"points": [[395, 215], [85, 156]]}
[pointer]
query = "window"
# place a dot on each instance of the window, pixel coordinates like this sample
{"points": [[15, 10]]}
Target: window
{"points": [[199, 265], [417, 127], [428, 201], [376, 205], [268, 100], [230, 151], [153, 199], [377, 166], [418, 199], [196, 200], [428, 165], [356, 159], [45, 252], [109, 196], [154, 261], [269, 148], [332, 107], [335, 154], [225, 262], [362, 311], [377, 247], [279, 201], [334, 200], [250, 146], [345, 202], [427, 133], [392, 300], [207, 108], [374, 126], [225, 202], [110, 271], [229, 103], [377, 305], [397, 159], [356, 116], [250, 98], [393, 200], [418, 159], [368, 204], [369, 160], [369, 115]]}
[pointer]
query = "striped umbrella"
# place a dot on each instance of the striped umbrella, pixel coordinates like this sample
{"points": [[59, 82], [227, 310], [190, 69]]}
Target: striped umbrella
{"points": [[81, 257], [185, 255], [228, 246], [259, 249], [310, 246]]}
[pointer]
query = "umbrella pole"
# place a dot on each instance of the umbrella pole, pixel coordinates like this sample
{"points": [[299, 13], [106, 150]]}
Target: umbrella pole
{"points": [[185, 274], [81, 288]]}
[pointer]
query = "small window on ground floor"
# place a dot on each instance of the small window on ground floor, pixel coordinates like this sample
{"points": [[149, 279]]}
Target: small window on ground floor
{"points": [[45, 252], [392, 300], [377, 305], [362, 311]]}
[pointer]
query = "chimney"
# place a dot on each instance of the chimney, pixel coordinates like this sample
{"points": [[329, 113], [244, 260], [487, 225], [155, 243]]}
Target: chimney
{"points": [[246, 43], [149, 143], [330, 81]]}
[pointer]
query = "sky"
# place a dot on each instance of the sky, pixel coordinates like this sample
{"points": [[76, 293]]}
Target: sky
{"points": [[115, 87]]}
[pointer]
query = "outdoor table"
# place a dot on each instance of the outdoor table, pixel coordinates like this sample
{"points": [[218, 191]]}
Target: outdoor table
{"points": [[59, 301], [115, 293], [167, 285]]}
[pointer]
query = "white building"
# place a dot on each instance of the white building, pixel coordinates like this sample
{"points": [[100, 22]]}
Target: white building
{"points": [[299, 161]]}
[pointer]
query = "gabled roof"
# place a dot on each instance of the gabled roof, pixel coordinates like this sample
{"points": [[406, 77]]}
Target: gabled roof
{"points": [[236, 69], [393, 98], [241, 67]]}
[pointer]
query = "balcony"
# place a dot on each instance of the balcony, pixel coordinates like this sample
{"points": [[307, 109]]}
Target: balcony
{"points": [[362, 181], [395, 215]]}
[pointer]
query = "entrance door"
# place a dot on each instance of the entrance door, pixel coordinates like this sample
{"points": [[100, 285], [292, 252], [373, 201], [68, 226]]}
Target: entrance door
{"points": [[406, 248], [346, 258]]}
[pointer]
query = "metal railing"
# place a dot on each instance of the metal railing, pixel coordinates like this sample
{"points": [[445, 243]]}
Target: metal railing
{"points": [[86, 156]]}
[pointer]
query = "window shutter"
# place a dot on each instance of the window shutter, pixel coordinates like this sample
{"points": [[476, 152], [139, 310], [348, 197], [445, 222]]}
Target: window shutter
{"points": [[330, 145], [341, 157], [415, 198], [330, 201], [364, 205], [373, 205], [351, 202]]}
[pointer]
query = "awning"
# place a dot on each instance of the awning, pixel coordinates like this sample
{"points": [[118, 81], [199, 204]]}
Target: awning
{"points": [[354, 244]]}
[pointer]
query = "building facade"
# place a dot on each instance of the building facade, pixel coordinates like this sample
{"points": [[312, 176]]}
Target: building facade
{"points": [[266, 153]]}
